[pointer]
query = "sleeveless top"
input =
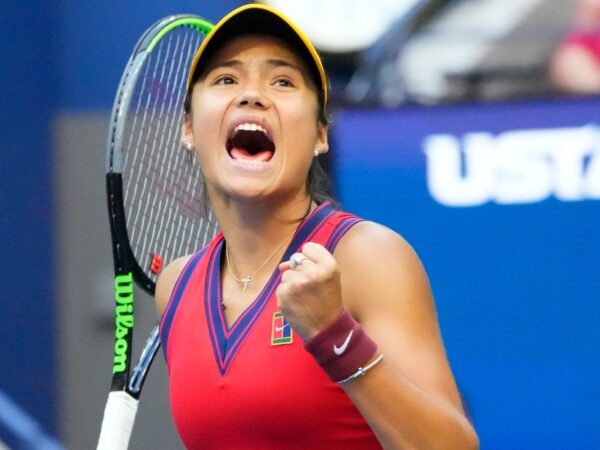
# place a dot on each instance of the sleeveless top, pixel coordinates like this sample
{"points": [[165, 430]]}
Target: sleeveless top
{"points": [[253, 386]]}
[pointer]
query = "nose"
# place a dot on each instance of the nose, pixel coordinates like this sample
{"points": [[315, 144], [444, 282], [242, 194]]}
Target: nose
{"points": [[252, 97], [252, 100]]}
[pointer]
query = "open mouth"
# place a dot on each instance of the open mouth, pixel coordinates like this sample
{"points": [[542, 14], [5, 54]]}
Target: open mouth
{"points": [[250, 142]]}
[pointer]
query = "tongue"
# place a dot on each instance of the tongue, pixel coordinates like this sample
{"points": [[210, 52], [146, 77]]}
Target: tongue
{"points": [[242, 153]]}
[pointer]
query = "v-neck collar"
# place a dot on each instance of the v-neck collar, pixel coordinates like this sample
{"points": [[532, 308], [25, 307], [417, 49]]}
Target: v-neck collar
{"points": [[227, 340]]}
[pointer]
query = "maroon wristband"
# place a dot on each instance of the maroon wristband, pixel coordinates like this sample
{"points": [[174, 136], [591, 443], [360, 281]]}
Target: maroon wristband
{"points": [[341, 348]]}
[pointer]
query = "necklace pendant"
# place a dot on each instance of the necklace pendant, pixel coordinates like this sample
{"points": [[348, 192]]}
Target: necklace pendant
{"points": [[245, 282]]}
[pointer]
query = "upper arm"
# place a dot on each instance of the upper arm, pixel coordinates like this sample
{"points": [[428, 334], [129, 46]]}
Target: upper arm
{"points": [[166, 282], [386, 288]]}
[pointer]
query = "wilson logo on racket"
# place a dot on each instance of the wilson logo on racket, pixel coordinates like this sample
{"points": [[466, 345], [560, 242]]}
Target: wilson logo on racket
{"points": [[123, 319]]}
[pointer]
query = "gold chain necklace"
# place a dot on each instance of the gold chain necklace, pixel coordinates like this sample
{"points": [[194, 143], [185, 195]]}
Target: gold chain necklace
{"points": [[245, 281]]}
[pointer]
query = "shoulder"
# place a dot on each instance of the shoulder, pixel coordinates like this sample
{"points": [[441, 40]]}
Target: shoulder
{"points": [[376, 244], [380, 268], [166, 281]]}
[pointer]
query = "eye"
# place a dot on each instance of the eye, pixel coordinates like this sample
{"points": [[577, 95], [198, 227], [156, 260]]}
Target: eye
{"points": [[224, 79], [284, 82]]}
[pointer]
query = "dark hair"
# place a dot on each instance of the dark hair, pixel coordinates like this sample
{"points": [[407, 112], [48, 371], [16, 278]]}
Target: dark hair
{"points": [[318, 183]]}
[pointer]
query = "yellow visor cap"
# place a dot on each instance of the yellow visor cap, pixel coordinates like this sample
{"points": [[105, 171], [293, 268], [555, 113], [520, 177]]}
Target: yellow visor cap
{"points": [[260, 19]]}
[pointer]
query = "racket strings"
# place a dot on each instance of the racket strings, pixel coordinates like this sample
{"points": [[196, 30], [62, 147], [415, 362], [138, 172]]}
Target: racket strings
{"points": [[160, 134], [162, 190], [185, 177], [156, 133], [172, 134], [183, 172]]}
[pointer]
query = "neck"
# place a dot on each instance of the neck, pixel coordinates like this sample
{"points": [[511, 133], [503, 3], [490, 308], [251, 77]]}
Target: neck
{"points": [[255, 230]]}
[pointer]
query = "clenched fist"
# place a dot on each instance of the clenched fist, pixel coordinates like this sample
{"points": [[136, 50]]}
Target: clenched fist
{"points": [[310, 293]]}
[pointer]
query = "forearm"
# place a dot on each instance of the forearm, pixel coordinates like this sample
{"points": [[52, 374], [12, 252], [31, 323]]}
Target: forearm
{"points": [[403, 416]]}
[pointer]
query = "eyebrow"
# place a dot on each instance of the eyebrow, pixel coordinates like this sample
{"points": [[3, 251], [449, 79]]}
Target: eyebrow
{"points": [[284, 63]]}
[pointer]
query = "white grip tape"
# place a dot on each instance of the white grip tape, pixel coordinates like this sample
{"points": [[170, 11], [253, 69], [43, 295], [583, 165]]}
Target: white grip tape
{"points": [[119, 416]]}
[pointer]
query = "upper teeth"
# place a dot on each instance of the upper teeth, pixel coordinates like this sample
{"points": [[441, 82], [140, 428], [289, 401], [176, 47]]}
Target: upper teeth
{"points": [[250, 127]]}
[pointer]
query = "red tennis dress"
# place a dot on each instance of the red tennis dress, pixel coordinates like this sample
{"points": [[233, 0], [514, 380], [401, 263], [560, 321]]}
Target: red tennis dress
{"points": [[253, 386]]}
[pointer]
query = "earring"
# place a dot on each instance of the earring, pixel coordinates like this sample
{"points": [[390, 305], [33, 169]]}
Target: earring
{"points": [[189, 146], [316, 152]]}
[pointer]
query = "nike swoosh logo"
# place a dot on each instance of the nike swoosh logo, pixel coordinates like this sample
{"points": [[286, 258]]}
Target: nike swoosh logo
{"points": [[340, 350], [278, 329]]}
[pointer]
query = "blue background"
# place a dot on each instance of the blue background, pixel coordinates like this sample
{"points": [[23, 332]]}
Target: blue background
{"points": [[26, 208], [516, 286]]}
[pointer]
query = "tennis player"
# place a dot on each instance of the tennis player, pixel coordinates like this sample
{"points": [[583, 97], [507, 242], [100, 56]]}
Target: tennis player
{"points": [[300, 326]]}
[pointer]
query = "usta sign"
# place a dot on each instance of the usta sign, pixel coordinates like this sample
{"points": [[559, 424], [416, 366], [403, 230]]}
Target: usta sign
{"points": [[514, 167]]}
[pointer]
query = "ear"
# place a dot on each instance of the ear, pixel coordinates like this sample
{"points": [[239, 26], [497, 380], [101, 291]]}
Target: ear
{"points": [[186, 131], [322, 144]]}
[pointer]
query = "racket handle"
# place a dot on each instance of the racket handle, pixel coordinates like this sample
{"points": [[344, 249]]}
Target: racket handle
{"points": [[119, 416]]}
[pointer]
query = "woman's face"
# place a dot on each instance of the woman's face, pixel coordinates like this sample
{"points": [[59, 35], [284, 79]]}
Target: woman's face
{"points": [[254, 122]]}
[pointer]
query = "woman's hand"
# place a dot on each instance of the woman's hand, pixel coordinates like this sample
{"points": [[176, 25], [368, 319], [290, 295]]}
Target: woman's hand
{"points": [[310, 294]]}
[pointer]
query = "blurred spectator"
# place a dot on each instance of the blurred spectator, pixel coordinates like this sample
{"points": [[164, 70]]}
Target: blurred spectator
{"points": [[575, 65]]}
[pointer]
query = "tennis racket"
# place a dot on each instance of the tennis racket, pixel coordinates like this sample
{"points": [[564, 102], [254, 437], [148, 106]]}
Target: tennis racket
{"points": [[155, 202]]}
